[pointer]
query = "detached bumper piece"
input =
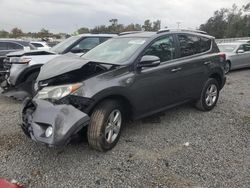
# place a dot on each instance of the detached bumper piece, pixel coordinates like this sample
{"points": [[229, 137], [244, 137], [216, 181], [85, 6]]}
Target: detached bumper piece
{"points": [[5, 184], [51, 124]]}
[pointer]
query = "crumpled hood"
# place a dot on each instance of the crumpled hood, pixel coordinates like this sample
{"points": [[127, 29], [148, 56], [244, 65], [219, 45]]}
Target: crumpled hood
{"points": [[29, 53], [60, 65]]}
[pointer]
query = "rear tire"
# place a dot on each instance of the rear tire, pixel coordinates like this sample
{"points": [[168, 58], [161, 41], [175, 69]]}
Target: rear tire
{"points": [[227, 67], [209, 95], [103, 133]]}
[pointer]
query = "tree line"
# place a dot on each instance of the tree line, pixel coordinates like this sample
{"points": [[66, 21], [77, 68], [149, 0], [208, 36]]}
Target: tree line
{"points": [[229, 23], [225, 23], [113, 27], [17, 33]]}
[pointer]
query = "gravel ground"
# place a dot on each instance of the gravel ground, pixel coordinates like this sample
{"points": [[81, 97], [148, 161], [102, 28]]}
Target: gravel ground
{"points": [[150, 153]]}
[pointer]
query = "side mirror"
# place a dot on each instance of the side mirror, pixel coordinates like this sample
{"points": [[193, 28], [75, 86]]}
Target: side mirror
{"points": [[240, 51], [149, 61]]}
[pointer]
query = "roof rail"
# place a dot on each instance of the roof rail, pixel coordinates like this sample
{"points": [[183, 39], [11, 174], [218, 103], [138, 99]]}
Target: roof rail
{"points": [[187, 30], [129, 32]]}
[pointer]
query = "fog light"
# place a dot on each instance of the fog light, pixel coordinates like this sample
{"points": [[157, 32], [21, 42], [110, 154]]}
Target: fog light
{"points": [[49, 132]]}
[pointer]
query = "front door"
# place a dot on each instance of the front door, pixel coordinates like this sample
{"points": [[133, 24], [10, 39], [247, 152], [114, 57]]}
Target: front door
{"points": [[159, 86]]}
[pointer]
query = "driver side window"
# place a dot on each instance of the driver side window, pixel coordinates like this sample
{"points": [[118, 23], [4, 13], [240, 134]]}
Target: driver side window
{"points": [[163, 48]]}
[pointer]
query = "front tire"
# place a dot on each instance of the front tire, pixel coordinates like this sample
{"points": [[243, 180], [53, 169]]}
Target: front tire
{"points": [[105, 125], [30, 83], [209, 95]]}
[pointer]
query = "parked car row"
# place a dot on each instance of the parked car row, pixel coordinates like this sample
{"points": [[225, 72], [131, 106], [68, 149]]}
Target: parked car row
{"points": [[9, 45], [23, 67], [237, 55], [97, 82]]}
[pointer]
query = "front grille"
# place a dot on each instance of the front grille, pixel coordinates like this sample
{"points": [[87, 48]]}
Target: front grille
{"points": [[6, 63]]}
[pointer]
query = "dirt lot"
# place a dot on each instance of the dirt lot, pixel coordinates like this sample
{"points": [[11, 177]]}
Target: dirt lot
{"points": [[150, 153]]}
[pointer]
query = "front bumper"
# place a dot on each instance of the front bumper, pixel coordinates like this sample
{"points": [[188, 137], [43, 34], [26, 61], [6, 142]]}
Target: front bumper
{"points": [[66, 121]]}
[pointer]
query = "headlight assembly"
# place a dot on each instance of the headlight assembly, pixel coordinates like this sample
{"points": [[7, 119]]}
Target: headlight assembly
{"points": [[57, 92]]}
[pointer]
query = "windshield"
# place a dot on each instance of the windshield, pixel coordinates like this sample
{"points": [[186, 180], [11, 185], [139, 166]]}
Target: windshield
{"points": [[227, 48], [59, 48], [115, 51]]}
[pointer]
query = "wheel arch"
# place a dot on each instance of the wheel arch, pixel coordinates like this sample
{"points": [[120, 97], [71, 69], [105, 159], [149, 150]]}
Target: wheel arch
{"points": [[128, 107], [217, 76], [27, 72]]}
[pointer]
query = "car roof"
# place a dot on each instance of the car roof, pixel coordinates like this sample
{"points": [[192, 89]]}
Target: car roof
{"points": [[148, 34], [22, 42], [97, 35]]}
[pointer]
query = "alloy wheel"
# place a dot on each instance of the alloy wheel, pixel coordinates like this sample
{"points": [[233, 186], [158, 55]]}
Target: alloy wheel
{"points": [[211, 95], [113, 126]]}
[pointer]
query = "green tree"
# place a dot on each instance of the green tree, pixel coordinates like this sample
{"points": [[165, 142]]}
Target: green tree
{"points": [[133, 27], [83, 30], [16, 33], [229, 23], [147, 25], [156, 25], [4, 34], [44, 33]]}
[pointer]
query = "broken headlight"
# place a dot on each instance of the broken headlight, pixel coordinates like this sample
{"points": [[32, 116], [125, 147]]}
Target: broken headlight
{"points": [[58, 92]]}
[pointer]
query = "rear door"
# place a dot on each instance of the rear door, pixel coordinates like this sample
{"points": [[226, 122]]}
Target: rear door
{"points": [[194, 61], [246, 48]]}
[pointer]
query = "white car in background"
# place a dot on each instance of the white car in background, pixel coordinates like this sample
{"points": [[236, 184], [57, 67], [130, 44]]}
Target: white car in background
{"points": [[24, 67], [40, 45]]}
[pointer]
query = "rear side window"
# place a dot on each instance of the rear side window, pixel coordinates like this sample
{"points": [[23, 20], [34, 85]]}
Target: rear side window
{"points": [[205, 44], [191, 45], [37, 44], [3, 46], [103, 39], [246, 47], [14, 46], [163, 48]]}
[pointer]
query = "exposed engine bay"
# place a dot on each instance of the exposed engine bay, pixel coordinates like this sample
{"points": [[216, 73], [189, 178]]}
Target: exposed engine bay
{"points": [[87, 71]]}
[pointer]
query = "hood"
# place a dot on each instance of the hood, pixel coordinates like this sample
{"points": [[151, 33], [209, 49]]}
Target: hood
{"points": [[29, 53], [40, 59], [60, 65]]}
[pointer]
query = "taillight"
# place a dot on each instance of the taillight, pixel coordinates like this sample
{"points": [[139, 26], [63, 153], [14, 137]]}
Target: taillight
{"points": [[222, 57]]}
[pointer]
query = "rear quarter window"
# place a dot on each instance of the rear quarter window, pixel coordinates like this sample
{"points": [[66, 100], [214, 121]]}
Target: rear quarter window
{"points": [[191, 44], [37, 44]]}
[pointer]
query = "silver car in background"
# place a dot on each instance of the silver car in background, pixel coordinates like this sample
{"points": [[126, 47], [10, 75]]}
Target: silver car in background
{"points": [[237, 55]]}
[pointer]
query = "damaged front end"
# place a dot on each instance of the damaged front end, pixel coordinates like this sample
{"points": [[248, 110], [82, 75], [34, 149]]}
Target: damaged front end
{"points": [[56, 114], [60, 108], [51, 124]]}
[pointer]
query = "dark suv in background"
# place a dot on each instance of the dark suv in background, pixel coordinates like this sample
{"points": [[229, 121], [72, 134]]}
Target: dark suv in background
{"points": [[130, 76], [12, 45]]}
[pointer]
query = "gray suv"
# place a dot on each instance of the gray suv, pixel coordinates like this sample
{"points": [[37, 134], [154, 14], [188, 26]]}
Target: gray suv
{"points": [[128, 77]]}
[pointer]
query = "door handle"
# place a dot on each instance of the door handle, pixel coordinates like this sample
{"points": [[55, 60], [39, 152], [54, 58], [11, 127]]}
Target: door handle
{"points": [[207, 63], [176, 69]]}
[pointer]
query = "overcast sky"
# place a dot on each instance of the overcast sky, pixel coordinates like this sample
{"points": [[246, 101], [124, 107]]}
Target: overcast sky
{"points": [[68, 15]]}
